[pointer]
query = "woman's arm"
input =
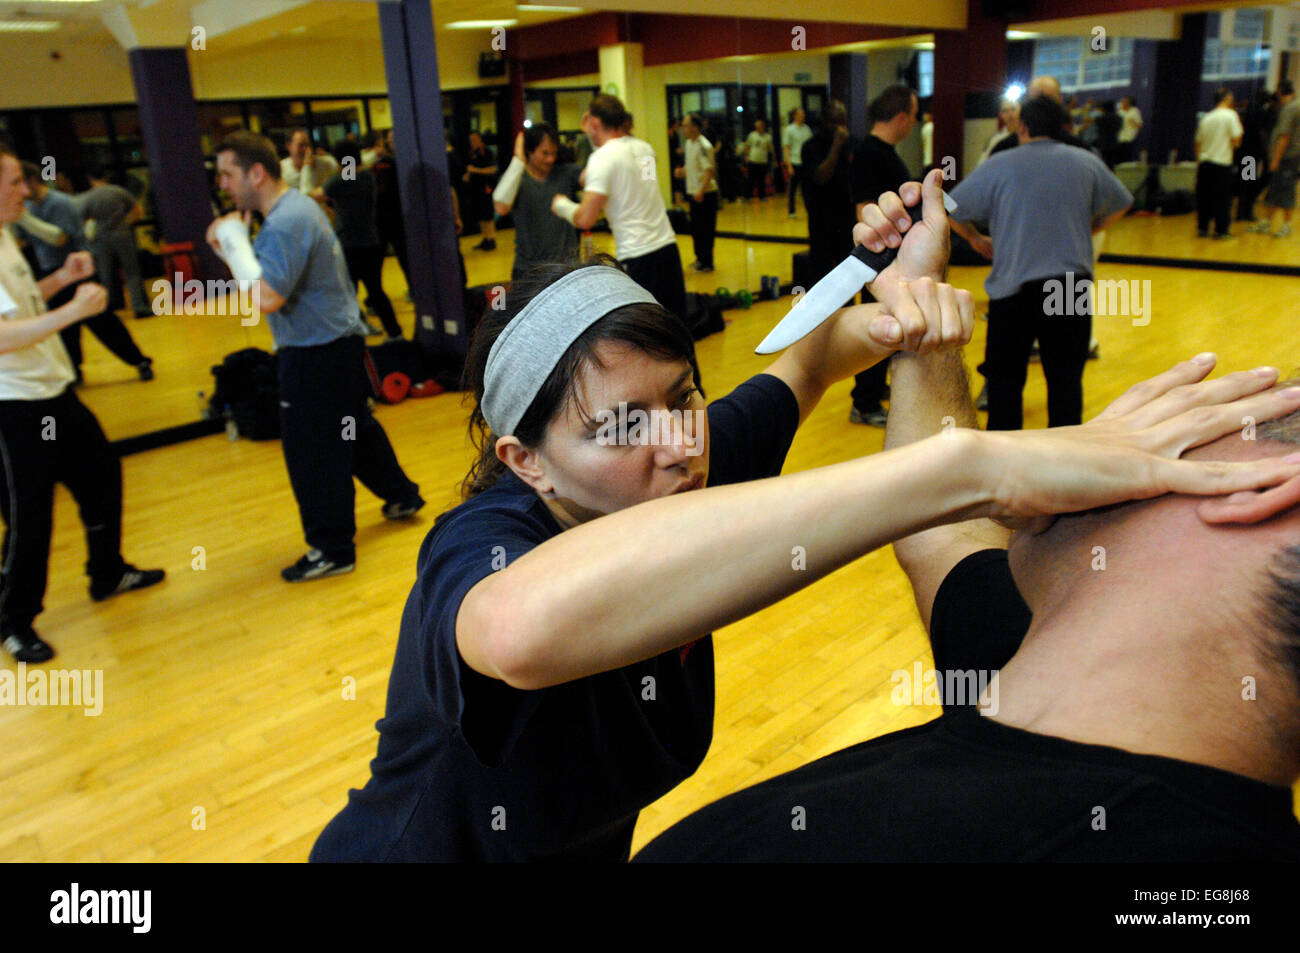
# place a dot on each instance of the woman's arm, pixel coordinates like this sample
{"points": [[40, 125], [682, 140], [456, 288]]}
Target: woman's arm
{"points": [[90, 300], [638, 582]]}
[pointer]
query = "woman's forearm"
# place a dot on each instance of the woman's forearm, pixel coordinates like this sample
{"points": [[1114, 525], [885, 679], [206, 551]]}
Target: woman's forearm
{"points": [[635, 583]]}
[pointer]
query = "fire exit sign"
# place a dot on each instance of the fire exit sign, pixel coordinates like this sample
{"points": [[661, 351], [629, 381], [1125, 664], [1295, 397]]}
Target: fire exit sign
{"points": [[803, 77]]}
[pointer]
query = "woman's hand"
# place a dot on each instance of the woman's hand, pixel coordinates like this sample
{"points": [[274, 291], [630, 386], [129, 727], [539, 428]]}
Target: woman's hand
{"points": [[1131, 451]]}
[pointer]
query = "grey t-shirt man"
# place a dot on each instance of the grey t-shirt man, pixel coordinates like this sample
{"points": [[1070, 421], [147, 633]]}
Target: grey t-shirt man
{"points": [[108, 205], [61, 211], [1288, 124], [1040, 201], [540, 235], [302, 260]]}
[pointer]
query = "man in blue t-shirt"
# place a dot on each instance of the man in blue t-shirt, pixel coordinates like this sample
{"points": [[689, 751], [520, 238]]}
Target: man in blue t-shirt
{"points": [[300, 282], [1040, 257], [52, 223]]}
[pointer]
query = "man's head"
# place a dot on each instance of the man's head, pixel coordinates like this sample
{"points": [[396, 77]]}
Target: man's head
{"points": [[798, 117], [1048, 86], [1041, 116], [299, 147], [541, 145], [1223, 97], [836, 114], [1126, 102], [1210, 595], [893, 113], [604, 119], [13, 187], [1009, 115], [760, 126], [32, 176], [248, 170], [693, 126], [96, 175]]}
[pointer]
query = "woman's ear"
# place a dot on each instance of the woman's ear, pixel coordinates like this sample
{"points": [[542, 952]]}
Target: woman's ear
{"points": [[526, 463]]}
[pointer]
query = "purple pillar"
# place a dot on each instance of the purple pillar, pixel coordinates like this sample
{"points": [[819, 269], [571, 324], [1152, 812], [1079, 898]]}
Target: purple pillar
{"points": [[411, 66], [169, 126]]}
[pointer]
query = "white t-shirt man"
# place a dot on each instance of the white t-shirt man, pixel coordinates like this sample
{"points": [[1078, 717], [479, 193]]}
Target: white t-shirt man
{"points": [[1214, 135], [40, 371], [699, 160], [311, 176], [793, 138], [758, 147], [1132, 123], [623, 170]]}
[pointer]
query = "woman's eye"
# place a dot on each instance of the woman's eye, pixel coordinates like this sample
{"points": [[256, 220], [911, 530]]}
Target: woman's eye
{"points": [[687, 395]]}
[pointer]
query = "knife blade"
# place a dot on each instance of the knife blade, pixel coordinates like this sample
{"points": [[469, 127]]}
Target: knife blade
{"points": [[829, 295]]}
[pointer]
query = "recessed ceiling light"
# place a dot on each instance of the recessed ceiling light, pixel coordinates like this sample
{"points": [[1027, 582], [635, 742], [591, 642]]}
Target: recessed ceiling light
{"points": [[543, 8], [27, 26], [480, 24]]}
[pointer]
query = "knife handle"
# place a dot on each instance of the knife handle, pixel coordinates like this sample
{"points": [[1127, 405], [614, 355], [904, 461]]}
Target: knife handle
{"points": [[878, 261]]}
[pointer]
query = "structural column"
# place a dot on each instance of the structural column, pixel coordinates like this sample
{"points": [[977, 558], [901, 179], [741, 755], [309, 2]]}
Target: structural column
{"points": [[411, 67], [970, 75], [848, 82], [1178, 65]]}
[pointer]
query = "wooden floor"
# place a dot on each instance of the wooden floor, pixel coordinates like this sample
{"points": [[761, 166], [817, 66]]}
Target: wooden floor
{"points": [[224, 689]]}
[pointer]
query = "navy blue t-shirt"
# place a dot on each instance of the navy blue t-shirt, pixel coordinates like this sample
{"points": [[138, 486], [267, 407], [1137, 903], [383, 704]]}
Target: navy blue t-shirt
{"points": [[965, 788], [469, 768]]}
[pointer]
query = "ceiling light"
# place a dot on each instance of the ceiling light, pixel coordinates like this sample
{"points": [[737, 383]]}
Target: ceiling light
{"points": [[34, 26], [543, 8], [480, 24]]}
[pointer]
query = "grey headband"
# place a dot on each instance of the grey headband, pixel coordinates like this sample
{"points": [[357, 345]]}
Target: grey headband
{"points": [[526, 352]]}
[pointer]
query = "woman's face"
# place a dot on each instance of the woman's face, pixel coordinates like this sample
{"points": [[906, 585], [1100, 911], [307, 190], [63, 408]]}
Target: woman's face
{"points": [[644, 435]]}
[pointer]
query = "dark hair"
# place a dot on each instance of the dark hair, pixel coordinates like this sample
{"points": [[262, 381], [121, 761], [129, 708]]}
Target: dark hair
{"points": [[347, 149], [31, 171], [1282, 591], [609, 110], [369, 139], [1043, 116], [1285, 88], [1221, 93], [892, 101], [538, 133], [649, 328], [250, 149]]}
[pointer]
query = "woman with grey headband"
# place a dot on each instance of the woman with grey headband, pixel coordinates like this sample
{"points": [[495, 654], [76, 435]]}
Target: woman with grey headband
{"points": [[554, 671]]}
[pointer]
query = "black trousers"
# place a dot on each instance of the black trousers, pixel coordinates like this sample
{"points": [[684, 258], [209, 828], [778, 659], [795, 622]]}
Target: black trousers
{"points": [[329, 436], [869, 385], [1014, 324], [44, 442], [108, 327], [757, 184], [392, 231], [1213, 196], [704, 226], [660, 273], [793, 186], [366, 266]]}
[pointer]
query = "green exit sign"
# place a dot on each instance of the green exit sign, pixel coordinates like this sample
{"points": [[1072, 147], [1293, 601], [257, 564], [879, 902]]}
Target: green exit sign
{"points": [[803, 77]]}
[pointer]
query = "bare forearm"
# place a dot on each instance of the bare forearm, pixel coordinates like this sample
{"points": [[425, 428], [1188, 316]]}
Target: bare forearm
{"points": [[16, 335], [966, 230], [615, 603], [52, 284], [925, 391]]}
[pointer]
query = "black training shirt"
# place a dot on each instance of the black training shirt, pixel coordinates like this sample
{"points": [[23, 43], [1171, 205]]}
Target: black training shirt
{"points": [[469, 768]]}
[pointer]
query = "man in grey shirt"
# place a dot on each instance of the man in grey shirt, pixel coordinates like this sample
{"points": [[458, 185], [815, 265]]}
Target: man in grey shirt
{"points": [[301, 283], [1043, 202], [1283, 162], [114, 211]]}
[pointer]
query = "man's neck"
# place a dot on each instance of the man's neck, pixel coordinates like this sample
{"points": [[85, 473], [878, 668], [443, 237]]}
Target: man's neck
{"points": [[268, 198], [885, 131], [1093, 671]]}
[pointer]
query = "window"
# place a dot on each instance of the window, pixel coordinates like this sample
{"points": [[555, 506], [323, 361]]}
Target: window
{"points": [[925, 74], [1076, 65], [1233, 60], [1248, 25]]}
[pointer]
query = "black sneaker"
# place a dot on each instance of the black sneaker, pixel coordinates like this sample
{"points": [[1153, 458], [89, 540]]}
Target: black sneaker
{"points": [[132, 578], [401, 510], [25, 645], [871, 418], [315, 566], [145, 369]]}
